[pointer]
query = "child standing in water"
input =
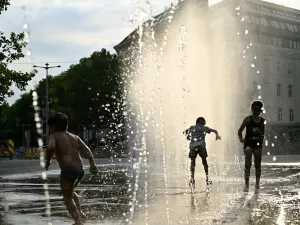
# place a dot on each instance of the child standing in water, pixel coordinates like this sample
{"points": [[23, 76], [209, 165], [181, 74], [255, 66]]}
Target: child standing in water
{"points": [[253, 141], [196, 134]]}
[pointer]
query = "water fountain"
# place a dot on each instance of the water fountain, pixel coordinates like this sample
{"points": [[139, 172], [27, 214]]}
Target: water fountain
{"points": [[182, 64]]}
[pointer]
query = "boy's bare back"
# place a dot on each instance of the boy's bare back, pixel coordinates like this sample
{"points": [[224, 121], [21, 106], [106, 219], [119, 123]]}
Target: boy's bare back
{"points": [[67, 148]]}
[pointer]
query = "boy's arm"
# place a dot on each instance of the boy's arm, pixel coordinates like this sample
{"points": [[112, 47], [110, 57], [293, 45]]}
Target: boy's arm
{"points": [[84, 149], [214, 131], [51, 148], [263, 131], [187, 133], [240, 131]]}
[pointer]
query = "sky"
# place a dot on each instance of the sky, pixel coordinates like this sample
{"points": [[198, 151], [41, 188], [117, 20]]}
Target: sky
{"points": [[62, 32]]}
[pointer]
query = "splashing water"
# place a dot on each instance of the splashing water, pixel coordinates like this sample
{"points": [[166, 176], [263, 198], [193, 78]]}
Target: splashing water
{"points": [[37, 119], [187, 84]]}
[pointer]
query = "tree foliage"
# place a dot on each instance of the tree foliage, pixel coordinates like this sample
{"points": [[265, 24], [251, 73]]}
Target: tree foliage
{"points": [[90, 93], [11, 49]]}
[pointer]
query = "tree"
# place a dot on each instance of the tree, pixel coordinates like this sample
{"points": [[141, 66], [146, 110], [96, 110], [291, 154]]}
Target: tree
{"points": [[10, 50], [89, 93]]}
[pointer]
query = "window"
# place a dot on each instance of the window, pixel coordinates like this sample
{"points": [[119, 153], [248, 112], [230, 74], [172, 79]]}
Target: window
{"points": [[278, 66], [265, 39], [282, 25], [284, 43], [279, 42], [266, 65], [280, 114], [290, 68], [291, 115], [278, 89], [290, 91]]}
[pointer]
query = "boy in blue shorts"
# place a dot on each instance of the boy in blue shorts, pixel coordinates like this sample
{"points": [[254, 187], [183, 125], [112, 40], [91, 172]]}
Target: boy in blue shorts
{"points": [[196, 134]]}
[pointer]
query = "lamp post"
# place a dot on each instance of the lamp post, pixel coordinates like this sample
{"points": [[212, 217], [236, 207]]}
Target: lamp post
{"points": [[47, 67]]}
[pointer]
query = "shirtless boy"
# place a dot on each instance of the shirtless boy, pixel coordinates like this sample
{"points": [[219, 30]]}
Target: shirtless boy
{"points": [[67, 148]]}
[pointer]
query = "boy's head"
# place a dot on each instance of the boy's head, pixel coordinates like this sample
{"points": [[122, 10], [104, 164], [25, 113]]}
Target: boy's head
{"points": [[201, 121], [59, 122], [257, 107]]}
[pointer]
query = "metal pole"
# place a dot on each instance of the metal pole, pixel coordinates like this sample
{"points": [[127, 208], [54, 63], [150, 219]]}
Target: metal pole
{"points": [[47, 101], [23, 134], [47, 67], [23, 125]]}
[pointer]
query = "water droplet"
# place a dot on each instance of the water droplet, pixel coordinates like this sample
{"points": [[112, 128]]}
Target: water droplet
{"points": [[259, 97], [25, 26], [258, 87], [44, 175], [258, 71], [268, 153], [246, 32], [253, 65], [274, 158]]}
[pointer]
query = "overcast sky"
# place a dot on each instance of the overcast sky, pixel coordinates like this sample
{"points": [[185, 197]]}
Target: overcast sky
{"points": [[63, 31]]}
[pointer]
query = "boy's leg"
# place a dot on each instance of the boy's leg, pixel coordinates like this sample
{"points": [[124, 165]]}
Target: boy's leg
{"points": [[205, 165], [75, 196], [193, 165], [67, 188], [257, 164], [192, 156], [248, 163], [203, 155]]}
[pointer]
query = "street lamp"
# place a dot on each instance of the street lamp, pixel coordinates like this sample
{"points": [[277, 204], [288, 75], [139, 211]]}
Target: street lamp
{"points": [[47, 67]]}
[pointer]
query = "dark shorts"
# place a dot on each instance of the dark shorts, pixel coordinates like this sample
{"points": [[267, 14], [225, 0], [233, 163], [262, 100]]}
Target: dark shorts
{"points": [[198, 151], [74, 174]]}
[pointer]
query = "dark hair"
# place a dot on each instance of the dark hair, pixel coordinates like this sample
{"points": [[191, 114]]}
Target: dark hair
{"points": [[59, 121], [201, 120], [257, 105]]}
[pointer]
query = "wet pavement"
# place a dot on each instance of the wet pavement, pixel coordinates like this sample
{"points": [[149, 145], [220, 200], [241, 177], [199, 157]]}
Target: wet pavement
{"points": [[104, 198], [161, 198]]}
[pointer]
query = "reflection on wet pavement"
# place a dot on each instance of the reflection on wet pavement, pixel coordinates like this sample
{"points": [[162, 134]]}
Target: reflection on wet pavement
{"points": [[225, 203], [106, 199], [103, 198]]}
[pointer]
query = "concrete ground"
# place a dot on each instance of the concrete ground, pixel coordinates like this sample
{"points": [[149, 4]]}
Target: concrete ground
{"points": [[160, 195]]}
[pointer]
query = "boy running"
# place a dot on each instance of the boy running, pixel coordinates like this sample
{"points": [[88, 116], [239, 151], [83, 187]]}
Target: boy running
{"points": [[253, 141], [67, 148], [196, 134]]}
